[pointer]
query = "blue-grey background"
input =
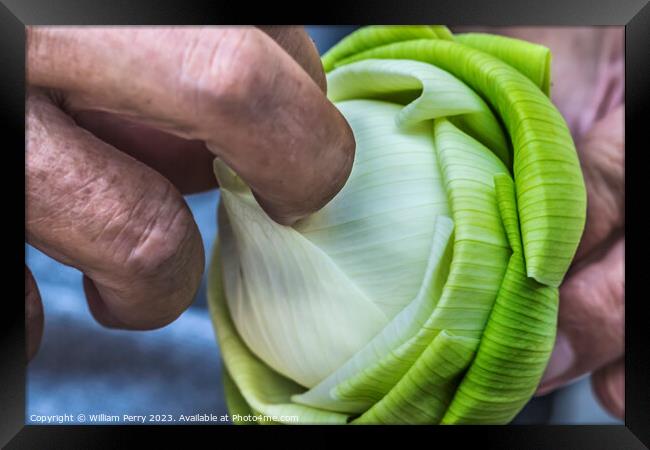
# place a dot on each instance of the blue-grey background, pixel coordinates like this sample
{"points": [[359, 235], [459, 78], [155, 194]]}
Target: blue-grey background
{"points": [[83, 368]]}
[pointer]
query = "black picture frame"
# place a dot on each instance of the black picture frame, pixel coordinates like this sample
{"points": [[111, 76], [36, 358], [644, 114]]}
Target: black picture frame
{"points": [[16, 14]]}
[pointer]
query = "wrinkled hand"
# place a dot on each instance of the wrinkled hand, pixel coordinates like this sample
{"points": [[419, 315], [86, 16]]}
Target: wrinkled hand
{"points": [[587, 74], [122, 121]]}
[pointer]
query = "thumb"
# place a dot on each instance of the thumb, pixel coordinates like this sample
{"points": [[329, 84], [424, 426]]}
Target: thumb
{"points": [[590, 322]]}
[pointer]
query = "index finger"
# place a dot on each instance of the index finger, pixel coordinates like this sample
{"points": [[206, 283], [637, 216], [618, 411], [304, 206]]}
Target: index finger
{"points": [[233, 87], [295, 41]]}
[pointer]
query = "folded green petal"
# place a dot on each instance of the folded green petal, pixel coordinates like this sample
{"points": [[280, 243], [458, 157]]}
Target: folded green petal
{"points": [[551, 195], [376, 35], [263, 390], [532, 60], [372, 372], [423, 394], [517, 340], [428, 93]]}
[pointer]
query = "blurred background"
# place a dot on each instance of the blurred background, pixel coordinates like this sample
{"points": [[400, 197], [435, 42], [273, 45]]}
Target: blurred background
{"points": [[83, 368]]}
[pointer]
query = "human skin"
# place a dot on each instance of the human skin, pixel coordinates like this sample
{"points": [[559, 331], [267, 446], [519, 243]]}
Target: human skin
{"points": [[121, 122], [587, 87], [161, 103]]}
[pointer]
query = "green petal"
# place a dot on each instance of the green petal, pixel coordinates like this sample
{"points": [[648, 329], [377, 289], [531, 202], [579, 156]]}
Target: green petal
{"points": [[430, 93], [373, 371], [375, 35], [532, 60], [481, 249], [517, 341], [442, 32], [285, 295], [480, 255], [546, 168], [507, 201], [460, 326], [422, 395], [264, 391], [236, 403], [379, 228]]}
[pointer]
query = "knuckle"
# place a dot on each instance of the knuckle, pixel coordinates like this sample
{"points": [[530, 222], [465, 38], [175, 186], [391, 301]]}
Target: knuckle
{"points": [[143, 234], [588, 304], [231, 65], [574, 313], [592, 311], [220, 65], [222, 74], [159, 243]]}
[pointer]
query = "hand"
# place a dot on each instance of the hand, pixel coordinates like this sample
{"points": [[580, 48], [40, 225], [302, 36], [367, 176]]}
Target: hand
{"points": [[587, 74], [122, 121]]}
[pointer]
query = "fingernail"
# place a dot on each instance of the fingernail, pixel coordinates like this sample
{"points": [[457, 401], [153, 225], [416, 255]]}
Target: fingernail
{"points": [[561, 361]]}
